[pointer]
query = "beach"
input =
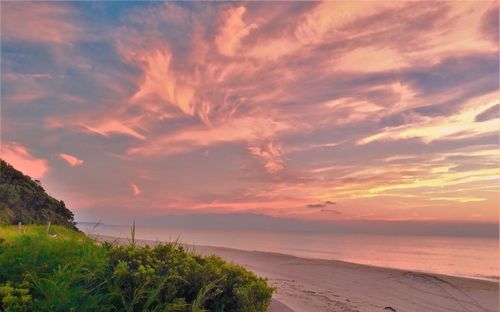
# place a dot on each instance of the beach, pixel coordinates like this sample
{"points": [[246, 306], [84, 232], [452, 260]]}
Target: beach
{"points": [[331, 285]]}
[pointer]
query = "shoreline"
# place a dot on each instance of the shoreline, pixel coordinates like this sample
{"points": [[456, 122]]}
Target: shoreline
{"points": [[494, 279], [307, 284]]}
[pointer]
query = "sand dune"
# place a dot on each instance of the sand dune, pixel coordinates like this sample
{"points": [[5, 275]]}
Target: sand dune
{"points": [[313, 285]]}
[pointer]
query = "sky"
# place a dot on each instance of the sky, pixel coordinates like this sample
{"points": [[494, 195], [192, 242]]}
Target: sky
{"points": [[304, 110]]}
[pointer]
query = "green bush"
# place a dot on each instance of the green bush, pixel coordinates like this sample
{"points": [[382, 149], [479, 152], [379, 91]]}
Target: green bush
{"points": [[14, 298], [169, 277], [69, 272]]}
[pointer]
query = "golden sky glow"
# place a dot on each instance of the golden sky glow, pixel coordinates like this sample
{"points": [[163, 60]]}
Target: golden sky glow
{"points": [[310, 110]]}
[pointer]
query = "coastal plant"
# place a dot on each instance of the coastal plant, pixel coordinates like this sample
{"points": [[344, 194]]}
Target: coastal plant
{"points": [[58, 269], [166, 273], [132, 234]]}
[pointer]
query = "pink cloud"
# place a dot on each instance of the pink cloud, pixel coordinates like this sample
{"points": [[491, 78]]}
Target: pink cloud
{"points": [[106, 127], [38, 21], [161, 84], [19, 157], [234, 130], [71, 160], [135, 189], [271, 154], [233, 30], [460, 125]]}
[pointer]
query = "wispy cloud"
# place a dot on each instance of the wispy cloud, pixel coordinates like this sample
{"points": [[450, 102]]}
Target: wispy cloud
{"points": [[463, 124], [136, 191], [71, 160], [271, 154], [233, 30], [40, 22]]}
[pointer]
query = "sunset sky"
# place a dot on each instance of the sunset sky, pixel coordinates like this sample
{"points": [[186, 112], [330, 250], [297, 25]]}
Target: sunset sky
{"points": [[307, 110]]}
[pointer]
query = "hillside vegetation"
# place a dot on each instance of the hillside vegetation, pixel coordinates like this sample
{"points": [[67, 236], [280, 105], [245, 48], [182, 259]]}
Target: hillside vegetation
{"points": [[24, 200]]}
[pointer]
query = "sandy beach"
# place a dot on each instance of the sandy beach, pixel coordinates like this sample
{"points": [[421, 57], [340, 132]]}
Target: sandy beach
{"points": [[329, 285]]}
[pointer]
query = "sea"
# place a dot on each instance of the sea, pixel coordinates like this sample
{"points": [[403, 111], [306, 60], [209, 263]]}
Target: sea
{"points": [[472, 257]]}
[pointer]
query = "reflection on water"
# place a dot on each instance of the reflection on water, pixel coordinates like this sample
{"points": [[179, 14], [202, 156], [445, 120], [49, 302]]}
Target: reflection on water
{"points": [[461, 256]]}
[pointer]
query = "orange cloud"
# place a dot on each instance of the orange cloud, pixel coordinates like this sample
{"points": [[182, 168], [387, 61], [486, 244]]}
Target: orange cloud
{"points": [[19, 157], [461, 36], [271, 153], [370, 59], [106, 127], [331, 17], [161, 84], [39, 21], [325, 22], [233, 31], [71, 160], [235, 130], [457, 126]]}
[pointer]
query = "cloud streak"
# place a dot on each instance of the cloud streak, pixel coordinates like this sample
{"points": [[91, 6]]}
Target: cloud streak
{"points": [[461, 125], [71, 160], [136, 191]]}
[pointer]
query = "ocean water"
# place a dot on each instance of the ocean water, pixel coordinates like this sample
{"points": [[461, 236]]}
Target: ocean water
{"points": [[472, 257]]}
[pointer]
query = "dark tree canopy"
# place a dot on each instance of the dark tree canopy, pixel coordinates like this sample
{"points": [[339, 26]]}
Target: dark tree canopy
{"points": [[23, 199]]}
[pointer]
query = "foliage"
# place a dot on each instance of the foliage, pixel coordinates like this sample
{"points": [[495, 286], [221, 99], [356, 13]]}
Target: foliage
{"points": [[64, 270], [24, 200], [14, 298], [59, 267]]}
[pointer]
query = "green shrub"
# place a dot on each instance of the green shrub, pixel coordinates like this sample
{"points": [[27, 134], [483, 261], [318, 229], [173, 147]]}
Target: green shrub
{"points": [[14, 298], [65, 271], [165, 274]]}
